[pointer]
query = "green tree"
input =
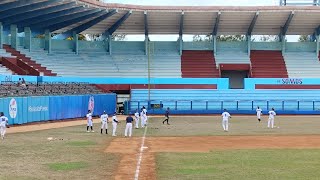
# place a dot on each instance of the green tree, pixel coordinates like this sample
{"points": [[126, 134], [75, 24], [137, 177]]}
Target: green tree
{"points": [[269, 38], [303, 38], [200, 38], [230, 38], [118, 37]]}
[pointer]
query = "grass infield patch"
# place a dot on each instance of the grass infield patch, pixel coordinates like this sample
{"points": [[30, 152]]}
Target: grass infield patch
{"points": [[67, 166], [81, 143], [262, 164]]}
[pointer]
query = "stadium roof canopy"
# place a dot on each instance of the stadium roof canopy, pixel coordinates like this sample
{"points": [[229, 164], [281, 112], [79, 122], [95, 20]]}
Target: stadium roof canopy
{"points": [[94, 17]]}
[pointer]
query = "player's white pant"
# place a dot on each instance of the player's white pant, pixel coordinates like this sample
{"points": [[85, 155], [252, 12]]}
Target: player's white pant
{"points": [[225, 125], [270, 122], [259, 115], [128, 128], [142, 121], [104, 125], [2, 130], [114, 128], [89, 123], [146, 120], [137, 122]]}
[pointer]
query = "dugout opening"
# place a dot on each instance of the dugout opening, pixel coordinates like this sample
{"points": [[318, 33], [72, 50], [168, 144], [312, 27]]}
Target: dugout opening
{"points": [[236, 78]]}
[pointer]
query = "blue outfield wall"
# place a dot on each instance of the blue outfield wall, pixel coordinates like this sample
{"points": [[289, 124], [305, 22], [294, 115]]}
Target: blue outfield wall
{"points": [[249, 83], [43, 108], [234, 107]]}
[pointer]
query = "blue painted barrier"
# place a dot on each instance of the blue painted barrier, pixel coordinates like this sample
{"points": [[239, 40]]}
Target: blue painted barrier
{"points": [[21, 110], [235, 107]]}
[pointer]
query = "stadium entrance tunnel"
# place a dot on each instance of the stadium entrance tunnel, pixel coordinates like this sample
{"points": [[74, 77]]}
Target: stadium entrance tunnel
{"points": [[236, 78]]}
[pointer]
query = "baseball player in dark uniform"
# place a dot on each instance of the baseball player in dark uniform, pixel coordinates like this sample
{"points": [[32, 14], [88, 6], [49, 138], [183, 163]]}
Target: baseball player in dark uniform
{"points": [[129, 121], [166, 116]]}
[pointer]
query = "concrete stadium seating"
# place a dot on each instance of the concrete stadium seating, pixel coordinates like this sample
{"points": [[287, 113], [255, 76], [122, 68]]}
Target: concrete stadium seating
{"points": [[5, 71], [99, 64], [3, 53], [268, 64], [302, 64], [198, 64], [230, 98]]}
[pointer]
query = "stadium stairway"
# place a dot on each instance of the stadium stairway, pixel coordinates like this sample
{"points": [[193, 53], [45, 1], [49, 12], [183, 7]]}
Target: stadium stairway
{"points": [[302, 64], [198, 64], [30, 66], [268, 64]]}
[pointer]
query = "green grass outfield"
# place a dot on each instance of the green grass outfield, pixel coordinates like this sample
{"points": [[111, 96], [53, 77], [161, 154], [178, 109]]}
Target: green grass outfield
{"points": [[81, 155], [239, 125], [253, 164], [240, 165]]}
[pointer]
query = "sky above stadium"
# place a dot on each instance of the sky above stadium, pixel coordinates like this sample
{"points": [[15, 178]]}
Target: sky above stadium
{"points": [[192, 3]]}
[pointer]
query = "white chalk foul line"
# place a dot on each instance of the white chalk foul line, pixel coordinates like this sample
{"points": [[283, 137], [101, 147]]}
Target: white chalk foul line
{"points": [[136, 176]]}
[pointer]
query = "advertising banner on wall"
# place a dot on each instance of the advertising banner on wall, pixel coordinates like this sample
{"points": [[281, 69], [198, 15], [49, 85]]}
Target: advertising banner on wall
{"points": [[21, 110]]}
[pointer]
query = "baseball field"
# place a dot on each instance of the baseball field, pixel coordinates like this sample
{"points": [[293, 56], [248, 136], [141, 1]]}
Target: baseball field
{"points": [[191, 147]]}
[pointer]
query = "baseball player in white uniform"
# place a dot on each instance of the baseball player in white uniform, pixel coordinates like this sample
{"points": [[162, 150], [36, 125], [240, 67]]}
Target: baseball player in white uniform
{"points": [[114, 124], [89, 121], [259, 113], [146, 115], [272, 114], [136, 115], [3, 124], [225, 120], [104, 122], [143, 117]]}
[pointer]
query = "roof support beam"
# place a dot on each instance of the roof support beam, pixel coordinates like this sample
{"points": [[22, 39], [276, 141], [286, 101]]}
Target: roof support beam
{"points": [[285, 27], [216, 24], [252, 24], [76, 20], [146, 30], [56, 21], [116, 25], [316, 32], [47, 41], [146, 33], [14, 4], [14, 36], [27, 38], [23, 9], [47, 17], [88, 24], [181, 24], [1, 35], [39, 12], [180, 33]]}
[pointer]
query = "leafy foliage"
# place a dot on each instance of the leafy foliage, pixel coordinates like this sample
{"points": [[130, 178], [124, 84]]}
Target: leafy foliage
{"points": [[229, 38], [303, 38]]}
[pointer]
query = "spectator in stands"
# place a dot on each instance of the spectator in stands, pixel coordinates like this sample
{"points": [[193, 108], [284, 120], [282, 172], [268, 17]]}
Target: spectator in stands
{"points": [[19, 82], [23, 84]]}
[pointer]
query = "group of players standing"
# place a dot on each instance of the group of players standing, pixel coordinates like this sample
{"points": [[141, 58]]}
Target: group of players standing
{"points": [[226, 115], [142, 116]]}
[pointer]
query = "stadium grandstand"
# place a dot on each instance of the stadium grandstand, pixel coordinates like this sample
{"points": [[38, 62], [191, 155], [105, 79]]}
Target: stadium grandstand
{"points": [[40, 40]]}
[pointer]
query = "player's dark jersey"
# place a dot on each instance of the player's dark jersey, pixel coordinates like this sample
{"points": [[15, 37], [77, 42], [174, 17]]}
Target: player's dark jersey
{"points": [[167, 113], [129, 119]]}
